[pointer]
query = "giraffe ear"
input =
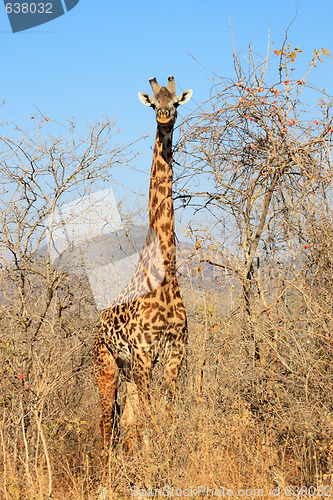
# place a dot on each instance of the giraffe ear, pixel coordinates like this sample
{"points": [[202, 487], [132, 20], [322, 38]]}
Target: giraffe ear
{"points": [[184, 97], [146, 99]]}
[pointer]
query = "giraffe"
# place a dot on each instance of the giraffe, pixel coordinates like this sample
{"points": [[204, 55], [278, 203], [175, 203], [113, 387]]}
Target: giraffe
{"points": [[147, 319]]}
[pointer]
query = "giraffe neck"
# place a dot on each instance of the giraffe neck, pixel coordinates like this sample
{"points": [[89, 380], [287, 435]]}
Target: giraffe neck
{"points": [[161, 214]]}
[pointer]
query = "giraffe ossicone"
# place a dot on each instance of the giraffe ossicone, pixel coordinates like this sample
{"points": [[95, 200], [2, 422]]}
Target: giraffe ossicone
{"points": [[165, 101], [142, 327]]}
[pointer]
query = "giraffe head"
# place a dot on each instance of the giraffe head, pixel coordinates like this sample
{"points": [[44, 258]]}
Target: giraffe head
{"points": [[165, 101]]}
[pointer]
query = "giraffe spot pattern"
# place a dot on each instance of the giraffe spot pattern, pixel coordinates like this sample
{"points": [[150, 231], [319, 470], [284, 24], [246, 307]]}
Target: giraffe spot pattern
{"points": [[136, 329]]}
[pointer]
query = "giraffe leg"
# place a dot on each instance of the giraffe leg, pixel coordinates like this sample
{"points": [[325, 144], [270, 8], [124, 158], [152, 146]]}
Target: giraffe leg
{"points": [[171, 371], [106, 373], [129, 417], [174, 357], [138, 403]]}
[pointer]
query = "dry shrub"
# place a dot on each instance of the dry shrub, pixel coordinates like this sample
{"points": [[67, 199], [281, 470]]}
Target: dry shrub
{"points": [[239, 422]]}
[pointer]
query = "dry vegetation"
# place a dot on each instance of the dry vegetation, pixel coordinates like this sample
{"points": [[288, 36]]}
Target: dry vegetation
{"points": [[239, 423], [254, 407]]}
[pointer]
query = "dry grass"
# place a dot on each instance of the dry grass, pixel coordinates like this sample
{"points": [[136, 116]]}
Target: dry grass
{"points": [[239, 422]]}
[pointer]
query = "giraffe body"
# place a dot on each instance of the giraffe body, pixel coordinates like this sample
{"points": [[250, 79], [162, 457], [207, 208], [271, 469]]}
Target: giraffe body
{"points": [[147, 319]]}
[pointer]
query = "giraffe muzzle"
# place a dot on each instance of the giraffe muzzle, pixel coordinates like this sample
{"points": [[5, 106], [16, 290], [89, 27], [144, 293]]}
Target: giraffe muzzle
{"points": [[164, 117]]}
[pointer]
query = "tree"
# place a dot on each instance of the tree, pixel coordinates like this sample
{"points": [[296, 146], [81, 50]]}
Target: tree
{"points": [[263, 156], [47, 315]]}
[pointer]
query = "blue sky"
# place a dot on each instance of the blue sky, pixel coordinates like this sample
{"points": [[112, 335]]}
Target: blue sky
{"points": [[93, 60]]}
